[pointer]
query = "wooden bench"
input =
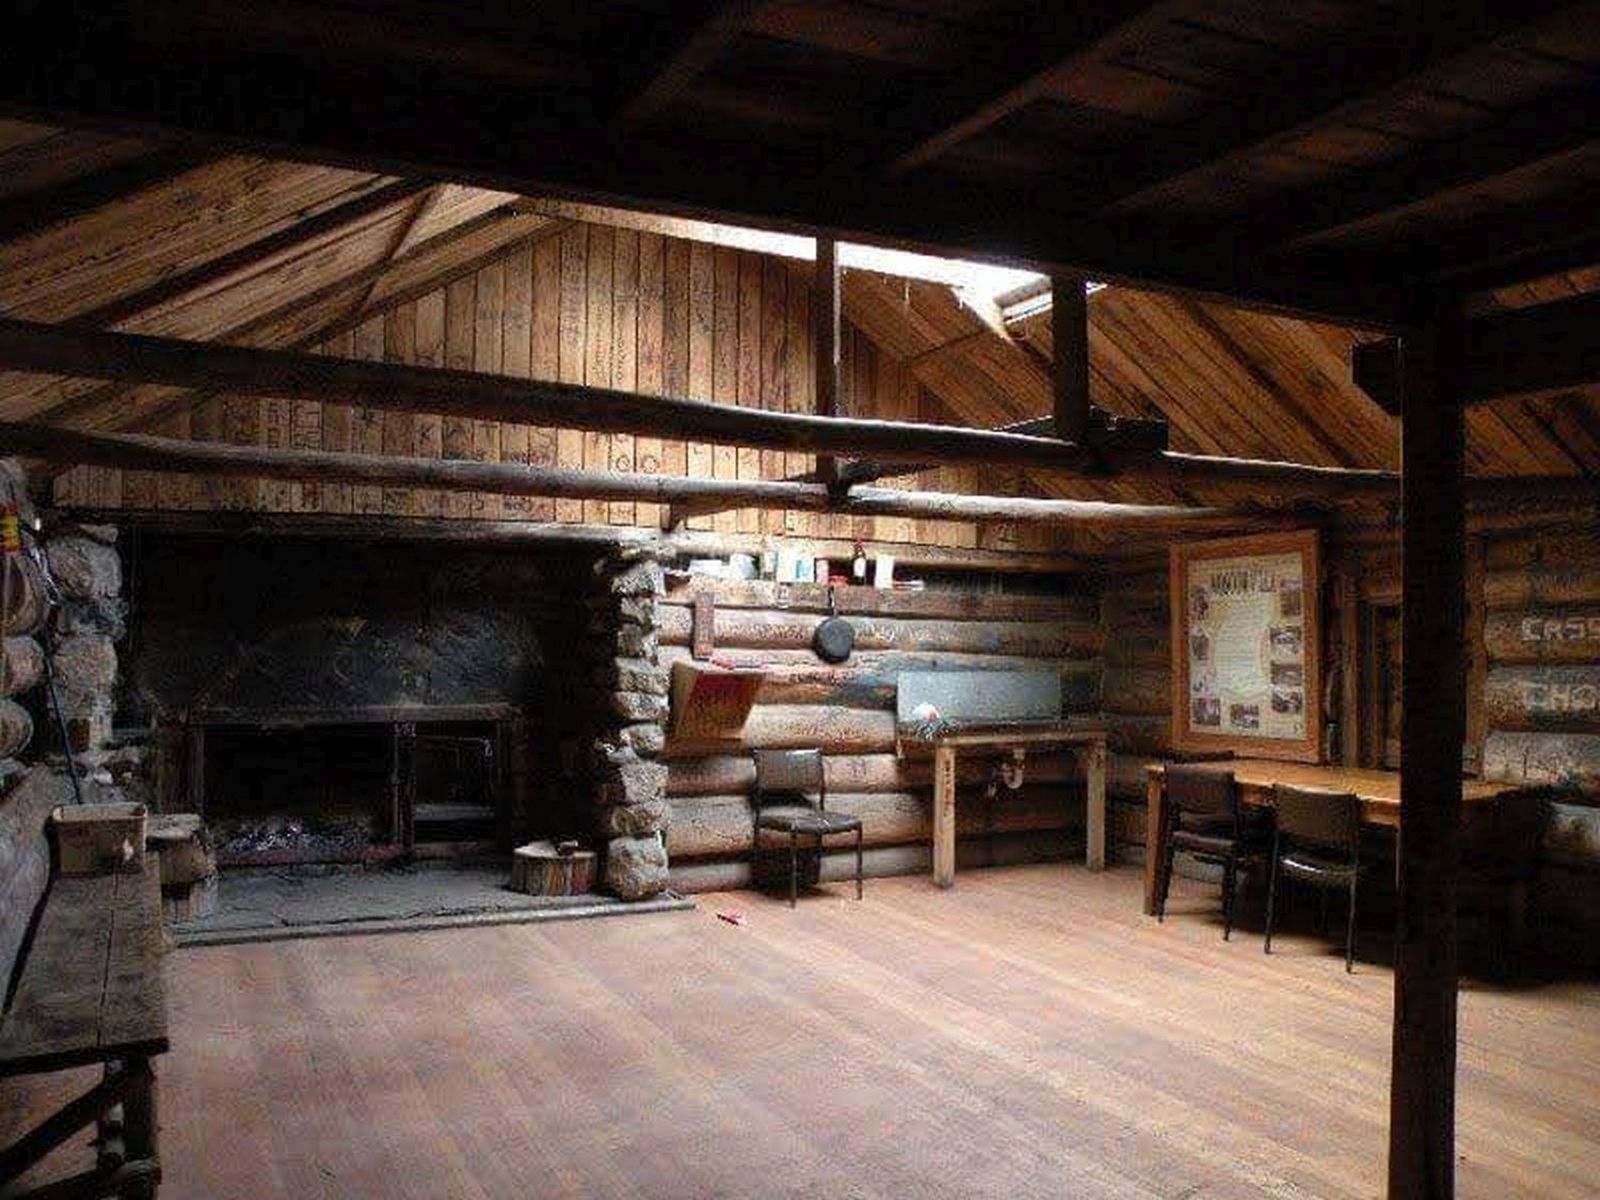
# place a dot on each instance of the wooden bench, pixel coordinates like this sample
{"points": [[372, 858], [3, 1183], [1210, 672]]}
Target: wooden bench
{"points": [[87, 990]]}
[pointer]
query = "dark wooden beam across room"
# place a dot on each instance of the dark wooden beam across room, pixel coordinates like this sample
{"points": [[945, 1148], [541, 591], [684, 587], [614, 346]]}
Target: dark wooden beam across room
{"points": [[1545, 348], [55, 70]]}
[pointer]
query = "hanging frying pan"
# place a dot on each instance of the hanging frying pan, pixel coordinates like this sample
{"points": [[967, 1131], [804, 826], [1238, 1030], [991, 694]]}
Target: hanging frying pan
{"points": [[835, 637]]}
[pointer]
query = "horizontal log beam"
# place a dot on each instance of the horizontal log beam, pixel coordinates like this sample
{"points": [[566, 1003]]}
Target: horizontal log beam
{"points": [[149, 453], [850, 599], [730, 774], [1528, 350], [392, 387], [760, 629]]}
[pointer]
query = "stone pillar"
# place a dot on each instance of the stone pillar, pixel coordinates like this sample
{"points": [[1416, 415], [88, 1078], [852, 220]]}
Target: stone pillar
{"points": [[90, 620], [628, 702]]}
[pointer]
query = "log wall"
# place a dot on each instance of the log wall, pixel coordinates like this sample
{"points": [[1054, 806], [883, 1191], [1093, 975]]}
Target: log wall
{"points": [[586, 304], [1540, 705], [1533, 688], [1136, 634], [848, 711]]}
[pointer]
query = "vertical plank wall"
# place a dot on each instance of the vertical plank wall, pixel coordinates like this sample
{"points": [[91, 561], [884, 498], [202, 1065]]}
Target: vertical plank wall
{"points": [[583, 304]]}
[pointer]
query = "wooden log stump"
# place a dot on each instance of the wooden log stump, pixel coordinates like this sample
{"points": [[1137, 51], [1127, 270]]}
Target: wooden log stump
{"points": [[181, 841], [190, 901], [542, 869]]}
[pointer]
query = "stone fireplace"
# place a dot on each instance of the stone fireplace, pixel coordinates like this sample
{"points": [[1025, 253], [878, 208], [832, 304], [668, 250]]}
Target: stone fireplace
{"points": [[325, 700]]}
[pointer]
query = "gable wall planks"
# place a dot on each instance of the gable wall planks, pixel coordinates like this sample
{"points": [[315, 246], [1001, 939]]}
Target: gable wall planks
{"points": [[636, 310], [624, 357]]}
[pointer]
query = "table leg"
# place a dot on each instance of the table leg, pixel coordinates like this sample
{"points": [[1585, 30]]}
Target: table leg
{"points": [[1095, 788], [1155, 817], [140, 1122], [944, 815]]}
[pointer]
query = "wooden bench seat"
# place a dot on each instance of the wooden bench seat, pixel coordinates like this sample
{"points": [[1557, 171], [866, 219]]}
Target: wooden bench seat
{"points": [[89, 991]]}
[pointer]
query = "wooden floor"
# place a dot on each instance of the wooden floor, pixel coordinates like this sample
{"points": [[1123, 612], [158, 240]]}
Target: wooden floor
{"points": [[1025, 1034]]}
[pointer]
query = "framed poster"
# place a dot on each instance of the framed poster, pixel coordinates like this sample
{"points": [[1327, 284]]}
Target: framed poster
{"points": [[1247, 645]]}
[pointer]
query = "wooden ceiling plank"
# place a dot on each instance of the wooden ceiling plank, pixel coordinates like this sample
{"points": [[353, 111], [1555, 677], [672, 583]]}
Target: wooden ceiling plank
{"points": [[1298, 96], [709, 27], [1079, 34], [27, 214], [283, 244], [1549, 128], [427, 265]]}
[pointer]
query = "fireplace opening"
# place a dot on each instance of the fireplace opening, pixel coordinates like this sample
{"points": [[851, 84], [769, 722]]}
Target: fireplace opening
{"points": [[355, 792]]}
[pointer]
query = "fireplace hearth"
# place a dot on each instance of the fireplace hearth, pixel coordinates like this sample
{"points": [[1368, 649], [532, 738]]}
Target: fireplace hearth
{"points": [[350, 791]]}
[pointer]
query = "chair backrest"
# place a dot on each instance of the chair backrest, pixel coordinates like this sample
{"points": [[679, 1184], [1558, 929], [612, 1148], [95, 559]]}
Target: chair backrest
{"points": [[790, 777], [1307, 816], [1201, 793]]}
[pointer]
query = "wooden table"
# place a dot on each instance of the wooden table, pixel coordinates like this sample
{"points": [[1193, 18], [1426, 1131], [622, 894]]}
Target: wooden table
{"points": [[1378, 791], [90, 992], [1090, 745]]}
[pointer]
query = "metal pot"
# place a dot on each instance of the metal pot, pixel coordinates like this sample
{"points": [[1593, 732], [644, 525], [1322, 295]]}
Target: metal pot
{"points": [[834, 637]]}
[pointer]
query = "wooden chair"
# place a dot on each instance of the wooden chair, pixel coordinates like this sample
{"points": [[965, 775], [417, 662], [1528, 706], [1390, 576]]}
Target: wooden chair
{"points": [[1316, 839], [791, 796], [1206, 822]]}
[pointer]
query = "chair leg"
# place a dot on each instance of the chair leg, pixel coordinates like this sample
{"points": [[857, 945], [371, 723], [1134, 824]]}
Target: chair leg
{"points": [[1272, 900], [794, 868], [858, 864], [1230, 881], [1166, 880], [1350, 931]]}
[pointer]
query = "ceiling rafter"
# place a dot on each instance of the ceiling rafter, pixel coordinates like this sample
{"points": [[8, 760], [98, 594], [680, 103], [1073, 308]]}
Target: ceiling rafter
{"points": [[93, 408]]}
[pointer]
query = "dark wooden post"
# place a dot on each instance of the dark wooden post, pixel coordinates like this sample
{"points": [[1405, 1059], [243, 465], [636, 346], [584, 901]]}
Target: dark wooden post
{"points": [[1069, 316], [825, 302], [1423, 1072]]}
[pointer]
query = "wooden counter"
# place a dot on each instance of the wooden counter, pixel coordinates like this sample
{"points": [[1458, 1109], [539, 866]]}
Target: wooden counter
{"points": [[1089, 743], [1378, 791]]}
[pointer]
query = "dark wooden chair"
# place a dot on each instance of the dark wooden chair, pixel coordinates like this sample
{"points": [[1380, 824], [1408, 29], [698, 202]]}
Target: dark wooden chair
{"points": [[1316, 839], [791, 796], [1205, 821]]}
